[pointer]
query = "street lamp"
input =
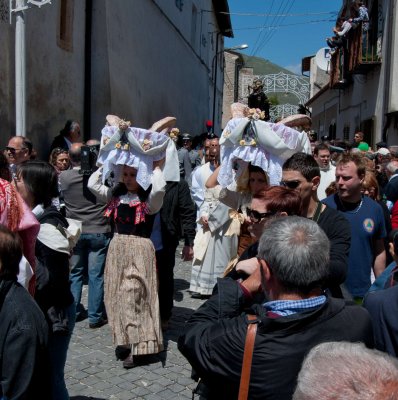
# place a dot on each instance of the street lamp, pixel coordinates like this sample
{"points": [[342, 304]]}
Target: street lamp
{"points": [[239, 47]]}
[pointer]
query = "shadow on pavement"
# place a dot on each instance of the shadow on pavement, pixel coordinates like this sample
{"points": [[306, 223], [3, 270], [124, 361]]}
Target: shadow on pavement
{"points": [[176, 324], [179, 286], [85, 398]]}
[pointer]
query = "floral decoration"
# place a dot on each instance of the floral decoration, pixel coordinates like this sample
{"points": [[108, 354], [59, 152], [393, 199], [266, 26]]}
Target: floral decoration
{"points": [[124, 125], [146, 144], [123, 143], [243, 142], [226, 133], [174, 133], [256, 114]]}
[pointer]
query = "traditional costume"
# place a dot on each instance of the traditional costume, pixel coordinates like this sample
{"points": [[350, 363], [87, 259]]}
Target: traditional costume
{"points": [[248, 139], [16, 216], [131, 296]]}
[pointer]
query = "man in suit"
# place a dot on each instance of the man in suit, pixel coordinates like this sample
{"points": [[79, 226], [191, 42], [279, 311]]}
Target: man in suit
{"points": [[67, 136]]}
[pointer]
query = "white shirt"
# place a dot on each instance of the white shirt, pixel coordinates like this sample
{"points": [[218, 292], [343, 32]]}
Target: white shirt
{"points": [[328, 175]]}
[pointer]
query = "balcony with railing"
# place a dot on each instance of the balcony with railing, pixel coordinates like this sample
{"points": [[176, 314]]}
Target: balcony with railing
{"points": [[359, 55]]}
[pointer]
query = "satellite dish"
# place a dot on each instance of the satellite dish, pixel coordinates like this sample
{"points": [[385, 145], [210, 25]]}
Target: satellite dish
{"points": [[322, 58]]}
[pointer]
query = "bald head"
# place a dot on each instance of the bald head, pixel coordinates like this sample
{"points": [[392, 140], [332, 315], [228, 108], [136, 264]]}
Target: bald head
{"points": [[18, 150], [75, 154], [93, 142]]}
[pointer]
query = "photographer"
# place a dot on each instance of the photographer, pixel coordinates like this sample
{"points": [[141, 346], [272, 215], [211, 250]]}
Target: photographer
{"points": [[91, 249]]}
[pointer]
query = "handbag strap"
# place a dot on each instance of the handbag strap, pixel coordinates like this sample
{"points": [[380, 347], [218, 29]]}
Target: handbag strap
{"points": [[247, 357]]}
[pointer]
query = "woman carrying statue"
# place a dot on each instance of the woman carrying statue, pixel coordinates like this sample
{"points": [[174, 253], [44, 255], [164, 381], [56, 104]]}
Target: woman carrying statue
{"points": [[131, 294]]}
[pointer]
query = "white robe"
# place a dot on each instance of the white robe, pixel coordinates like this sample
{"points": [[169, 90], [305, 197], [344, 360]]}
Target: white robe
{"points": [[212, 249], [199, 177]]}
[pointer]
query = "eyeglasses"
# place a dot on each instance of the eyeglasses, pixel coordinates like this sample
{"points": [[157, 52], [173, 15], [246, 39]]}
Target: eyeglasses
{"points": [[290, 184], [256, 216], [13, 150]]}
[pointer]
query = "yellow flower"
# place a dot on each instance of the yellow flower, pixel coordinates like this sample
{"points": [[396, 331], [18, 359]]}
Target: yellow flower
{"points": [[174, 132], [242, 142], [126, 146], [123, 125], [253, 142], [146, 145], [118, 145]]}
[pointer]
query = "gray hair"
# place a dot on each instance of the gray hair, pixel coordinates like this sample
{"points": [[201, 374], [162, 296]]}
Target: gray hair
{"points": [[392, 166], [297, 252], [347, 371]]}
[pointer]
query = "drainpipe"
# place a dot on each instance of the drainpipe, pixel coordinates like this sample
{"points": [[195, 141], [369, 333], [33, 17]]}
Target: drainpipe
{"points": [[87, 70], [238, 67]]}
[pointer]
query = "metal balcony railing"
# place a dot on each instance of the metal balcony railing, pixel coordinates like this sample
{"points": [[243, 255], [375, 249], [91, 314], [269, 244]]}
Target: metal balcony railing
{"points": [[358, 56]]}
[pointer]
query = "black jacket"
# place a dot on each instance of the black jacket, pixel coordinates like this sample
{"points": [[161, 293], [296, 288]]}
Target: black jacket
{"points": [[24, 373], [178, 214], [59, 141], [391, 189], [52, 269], [213, 342]]}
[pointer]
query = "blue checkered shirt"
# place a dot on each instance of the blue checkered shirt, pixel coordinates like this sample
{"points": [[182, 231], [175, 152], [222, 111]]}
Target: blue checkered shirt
{"points": [[290, 307]]}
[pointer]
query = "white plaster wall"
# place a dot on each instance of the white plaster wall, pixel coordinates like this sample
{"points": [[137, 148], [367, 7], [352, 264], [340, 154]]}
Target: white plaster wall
{"points": [[153, 69], [55, 84], [145, 66], [54, 77]]}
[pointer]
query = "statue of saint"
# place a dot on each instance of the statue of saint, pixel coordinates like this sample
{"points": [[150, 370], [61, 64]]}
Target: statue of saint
{"points": [[258, 99]]}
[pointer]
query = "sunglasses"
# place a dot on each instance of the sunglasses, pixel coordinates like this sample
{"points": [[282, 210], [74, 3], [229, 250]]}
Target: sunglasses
{"points": [[290, 184], [13, 150], [256, 216]]}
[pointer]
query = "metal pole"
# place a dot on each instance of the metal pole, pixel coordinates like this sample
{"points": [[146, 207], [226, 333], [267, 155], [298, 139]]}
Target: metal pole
{"points": [[215, 83], [20, 70]]}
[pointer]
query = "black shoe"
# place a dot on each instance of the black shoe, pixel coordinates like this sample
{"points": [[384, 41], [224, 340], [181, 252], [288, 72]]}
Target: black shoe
{"points": [[165, 324], [98, 324], [129, 362], [122, 352], [81, 313]]}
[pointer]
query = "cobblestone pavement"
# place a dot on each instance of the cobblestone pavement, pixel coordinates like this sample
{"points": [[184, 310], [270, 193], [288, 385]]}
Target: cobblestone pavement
{"points": [[92, 371]]}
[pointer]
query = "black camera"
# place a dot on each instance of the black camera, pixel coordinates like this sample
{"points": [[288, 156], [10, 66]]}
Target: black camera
{"points": [[89, 155]]}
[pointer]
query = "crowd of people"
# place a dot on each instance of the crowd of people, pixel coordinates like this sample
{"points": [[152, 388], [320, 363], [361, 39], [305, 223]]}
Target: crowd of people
{"points": [[303, 244]]}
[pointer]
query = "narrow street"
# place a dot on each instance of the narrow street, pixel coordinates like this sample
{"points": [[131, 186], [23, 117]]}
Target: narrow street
{"points": [[92, 371]]}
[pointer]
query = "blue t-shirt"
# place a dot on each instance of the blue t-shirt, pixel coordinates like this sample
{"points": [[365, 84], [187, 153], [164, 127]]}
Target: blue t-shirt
{"points": [[367, 224]]}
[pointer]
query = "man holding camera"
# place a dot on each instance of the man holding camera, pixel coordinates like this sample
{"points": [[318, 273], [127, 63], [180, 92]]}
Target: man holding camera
{"points": [[91, 249], [293, 256]]}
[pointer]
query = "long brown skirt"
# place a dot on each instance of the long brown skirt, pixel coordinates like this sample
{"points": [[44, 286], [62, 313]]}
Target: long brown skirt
{"points": [[131, 294]]}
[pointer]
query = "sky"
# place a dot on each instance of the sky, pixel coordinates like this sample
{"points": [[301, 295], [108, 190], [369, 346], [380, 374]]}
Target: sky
{"points": [[293, 29]]}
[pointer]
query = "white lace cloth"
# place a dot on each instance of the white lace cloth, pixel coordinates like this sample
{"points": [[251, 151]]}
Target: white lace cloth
{"points": [[145, 147], [274, 144]]}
